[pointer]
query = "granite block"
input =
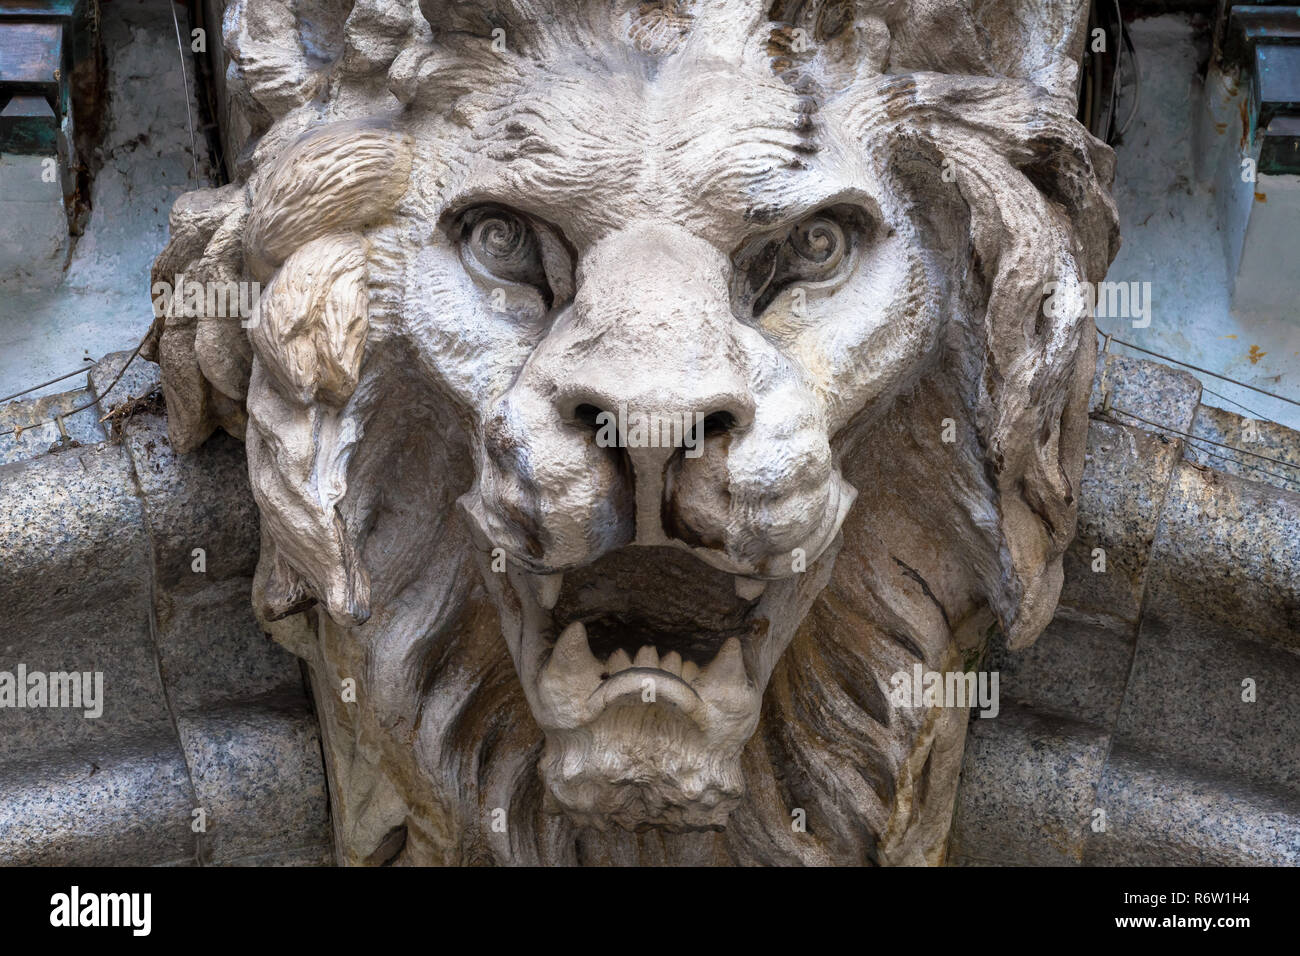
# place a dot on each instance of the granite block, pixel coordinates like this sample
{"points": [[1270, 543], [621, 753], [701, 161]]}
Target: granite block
{"points": [[1217, 427], [110, 640], [200, 500], [1126, 474], [1184, 700], [258, 772], [129, 803], [1228, 553], [212, 650], [83, 428], [1028, 789], [1077, 669], [71, 532], [1159, 813], [1167, 396]]}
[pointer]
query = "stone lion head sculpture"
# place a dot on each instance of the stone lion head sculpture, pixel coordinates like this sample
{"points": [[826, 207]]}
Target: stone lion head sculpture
{"points": [[814, 235]]}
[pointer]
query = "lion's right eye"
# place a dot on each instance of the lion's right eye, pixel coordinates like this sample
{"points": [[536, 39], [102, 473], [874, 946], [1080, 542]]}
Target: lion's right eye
{"points": [[505, 245]]}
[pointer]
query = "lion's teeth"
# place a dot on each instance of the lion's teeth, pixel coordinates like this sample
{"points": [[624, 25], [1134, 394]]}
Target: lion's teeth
{"points": [[749, 589], [618, 661], [690, 671], [646, 657], [672, 663], [572, 654], [728, 668], [548, 589]]}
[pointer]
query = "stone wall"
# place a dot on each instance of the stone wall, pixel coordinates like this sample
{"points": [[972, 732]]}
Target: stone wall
{"points": [[1130, 704], [98, 539]]}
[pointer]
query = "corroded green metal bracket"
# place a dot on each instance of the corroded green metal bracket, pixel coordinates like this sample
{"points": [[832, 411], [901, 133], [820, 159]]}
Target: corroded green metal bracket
{"points": [[1264, 40], [44, 44]]}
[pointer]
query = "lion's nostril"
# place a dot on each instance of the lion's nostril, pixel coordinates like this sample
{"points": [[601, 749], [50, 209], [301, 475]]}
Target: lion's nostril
{"points": [[588, 415], [717, 423]]}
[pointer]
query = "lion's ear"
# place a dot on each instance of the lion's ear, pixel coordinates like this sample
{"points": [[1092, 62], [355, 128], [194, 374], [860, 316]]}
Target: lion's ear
{"points": [[311, 325], [337, 178], [333, 180], [204, 357]]}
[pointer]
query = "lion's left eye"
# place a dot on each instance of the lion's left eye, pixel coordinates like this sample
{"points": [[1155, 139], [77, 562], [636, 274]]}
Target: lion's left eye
{"points": [[817, 249], [505, 245]]}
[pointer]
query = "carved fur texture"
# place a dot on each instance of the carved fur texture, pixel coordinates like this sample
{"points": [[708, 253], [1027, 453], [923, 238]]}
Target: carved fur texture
{"points": [[810, 243]]}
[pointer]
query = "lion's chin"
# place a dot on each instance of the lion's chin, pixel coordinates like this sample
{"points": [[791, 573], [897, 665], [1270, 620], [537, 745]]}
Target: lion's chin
{"points": [[640, 766]]}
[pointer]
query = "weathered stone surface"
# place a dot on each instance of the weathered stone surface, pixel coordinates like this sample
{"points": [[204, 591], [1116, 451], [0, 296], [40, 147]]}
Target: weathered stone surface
{"points": [[1077, 670], [1227, 554], [1269, 439], [200, 500], [111, 391], [82, 428], [212, 650], [1161, 813], [55, 548], [1123, 489], [125, 802], [1184, 699], [1159, 394], [311, 856], [111, 639], [257, 772], [81, 594], [1029, 786]]}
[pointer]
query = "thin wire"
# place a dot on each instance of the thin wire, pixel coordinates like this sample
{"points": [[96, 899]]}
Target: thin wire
{"points": [[1196, 368], [1243, 451], [1191, 439], [180, 48], [1137, 75], [80, 371], [1117, 76], [90, 404], [1247, 464], [1245, 408]]}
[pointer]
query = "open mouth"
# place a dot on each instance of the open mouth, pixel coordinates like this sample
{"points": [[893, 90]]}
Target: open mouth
{"points": [[648, 625], [646, 670], [656, 609]]}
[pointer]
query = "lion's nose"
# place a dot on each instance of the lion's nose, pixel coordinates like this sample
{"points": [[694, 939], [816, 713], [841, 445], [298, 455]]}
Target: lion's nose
{"points": [[648, 429]]}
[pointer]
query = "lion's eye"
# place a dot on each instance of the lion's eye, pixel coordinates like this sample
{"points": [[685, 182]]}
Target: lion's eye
{"points": [[817, 249], [818, 245], [504, 245]]}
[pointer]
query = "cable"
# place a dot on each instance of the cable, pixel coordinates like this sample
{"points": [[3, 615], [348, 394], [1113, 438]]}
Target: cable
{"points": [[1245, 408], [1247, 464], [90, 404], [1197, 368], [180, 47], [1137, 75], [1192, 439], [1219, 444], [80, 371]]}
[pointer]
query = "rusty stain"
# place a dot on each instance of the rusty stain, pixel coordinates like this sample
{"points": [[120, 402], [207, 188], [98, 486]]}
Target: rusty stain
{"points": [[1261, 197], [1255, 355], [1229, 336], [1221, 128], [1245, 125]]}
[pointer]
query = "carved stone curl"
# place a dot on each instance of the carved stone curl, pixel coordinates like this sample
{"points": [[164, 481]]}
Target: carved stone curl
{"points": [[813, 237]]}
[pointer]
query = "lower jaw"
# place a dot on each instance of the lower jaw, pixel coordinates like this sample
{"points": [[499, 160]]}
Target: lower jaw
{"points": [[640, 768]]}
